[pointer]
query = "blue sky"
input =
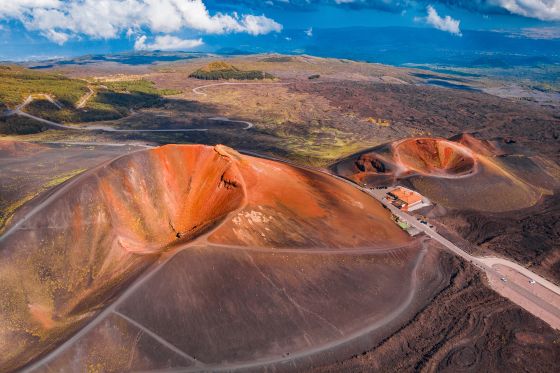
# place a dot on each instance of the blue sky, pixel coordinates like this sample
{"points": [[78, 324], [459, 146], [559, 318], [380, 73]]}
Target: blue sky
{"points": [[39, 29]]}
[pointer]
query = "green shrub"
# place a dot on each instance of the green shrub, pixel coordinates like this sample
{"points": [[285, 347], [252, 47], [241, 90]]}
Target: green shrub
{"points": [[15, 125], [16, 83], [110, 103], [278, 59], [221, 70]]}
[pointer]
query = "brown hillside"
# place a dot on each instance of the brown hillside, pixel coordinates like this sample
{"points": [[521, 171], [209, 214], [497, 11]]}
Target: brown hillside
{"points": [[76, 249]]}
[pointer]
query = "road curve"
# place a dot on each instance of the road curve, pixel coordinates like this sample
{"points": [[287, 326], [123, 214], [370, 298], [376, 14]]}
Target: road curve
{"points": [[203, 241], [197, 90], [223, 119], [83, 101], [530, 301], [199, 366], [97, 127], [520, 296]]}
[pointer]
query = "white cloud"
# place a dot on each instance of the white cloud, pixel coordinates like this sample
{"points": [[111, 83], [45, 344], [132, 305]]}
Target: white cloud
{"points": [[167, 43], [14, 8], [446, 23], [546, 10], [105, 19], [58, 37], [258, 25]]}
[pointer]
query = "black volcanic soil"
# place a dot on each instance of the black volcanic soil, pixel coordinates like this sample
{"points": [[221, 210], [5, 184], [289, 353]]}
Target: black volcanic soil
{"points": [[466, 328], [416, 110], [509, 206], [530, 236]]}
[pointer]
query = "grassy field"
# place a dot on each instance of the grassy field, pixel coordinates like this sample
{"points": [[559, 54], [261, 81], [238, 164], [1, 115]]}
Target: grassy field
{"points": [[16, 83], [113, 100]]}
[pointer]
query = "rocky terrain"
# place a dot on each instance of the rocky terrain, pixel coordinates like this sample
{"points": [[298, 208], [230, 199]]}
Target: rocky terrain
{"points": [[114, 257], [466, 328], [495, 194]]}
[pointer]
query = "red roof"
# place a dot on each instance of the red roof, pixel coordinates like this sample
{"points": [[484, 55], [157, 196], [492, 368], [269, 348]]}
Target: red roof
{"points": [[407, 196]]}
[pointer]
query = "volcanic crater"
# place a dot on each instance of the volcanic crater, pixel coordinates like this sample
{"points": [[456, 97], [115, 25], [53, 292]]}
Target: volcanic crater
{"points": [[77, 249], [463, 172], [435, 157]]}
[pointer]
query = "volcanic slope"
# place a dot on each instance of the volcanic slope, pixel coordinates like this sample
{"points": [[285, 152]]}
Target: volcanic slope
{"points": [[460, 173], [76, 249], [496, 194]]}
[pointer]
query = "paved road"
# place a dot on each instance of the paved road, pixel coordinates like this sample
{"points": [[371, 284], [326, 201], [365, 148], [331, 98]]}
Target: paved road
{"points": [[523, 297], [199, 366], [202, 241], [487, 265]]}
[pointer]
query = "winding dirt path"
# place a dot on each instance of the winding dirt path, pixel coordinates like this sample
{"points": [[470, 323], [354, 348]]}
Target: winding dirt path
{"points": [[99, 127], [202, 241], [532, 301], [197, 90], [83, 101]]}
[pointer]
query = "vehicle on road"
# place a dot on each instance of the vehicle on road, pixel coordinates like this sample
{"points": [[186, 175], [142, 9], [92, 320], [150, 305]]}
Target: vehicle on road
{"points": [[503, 279], [531, 281]]}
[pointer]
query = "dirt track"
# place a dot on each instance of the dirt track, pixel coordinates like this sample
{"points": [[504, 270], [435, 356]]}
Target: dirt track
{"points": [[315, 233], [94, 127], [536, 305]]}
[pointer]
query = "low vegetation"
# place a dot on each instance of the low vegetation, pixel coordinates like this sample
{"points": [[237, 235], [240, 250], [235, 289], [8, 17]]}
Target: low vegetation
{"points": [[15, 125], [379, 121], [221, 70], [7, 213], [16, 83], [278, 59], [112, 100]]}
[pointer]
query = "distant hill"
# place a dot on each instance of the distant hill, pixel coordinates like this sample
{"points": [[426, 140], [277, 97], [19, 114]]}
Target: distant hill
{"points": [[222, 70], [109, 100]]}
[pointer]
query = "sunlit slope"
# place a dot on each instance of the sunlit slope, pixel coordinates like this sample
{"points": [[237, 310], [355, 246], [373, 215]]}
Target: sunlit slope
{"points": [[71, 253], [462, 173]]}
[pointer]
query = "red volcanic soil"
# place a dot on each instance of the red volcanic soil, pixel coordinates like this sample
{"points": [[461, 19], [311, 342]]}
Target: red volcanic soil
{"points": [[77, 248], [462, 173], [309, 211], [478, 146], [431, 156], [18, 148]]}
